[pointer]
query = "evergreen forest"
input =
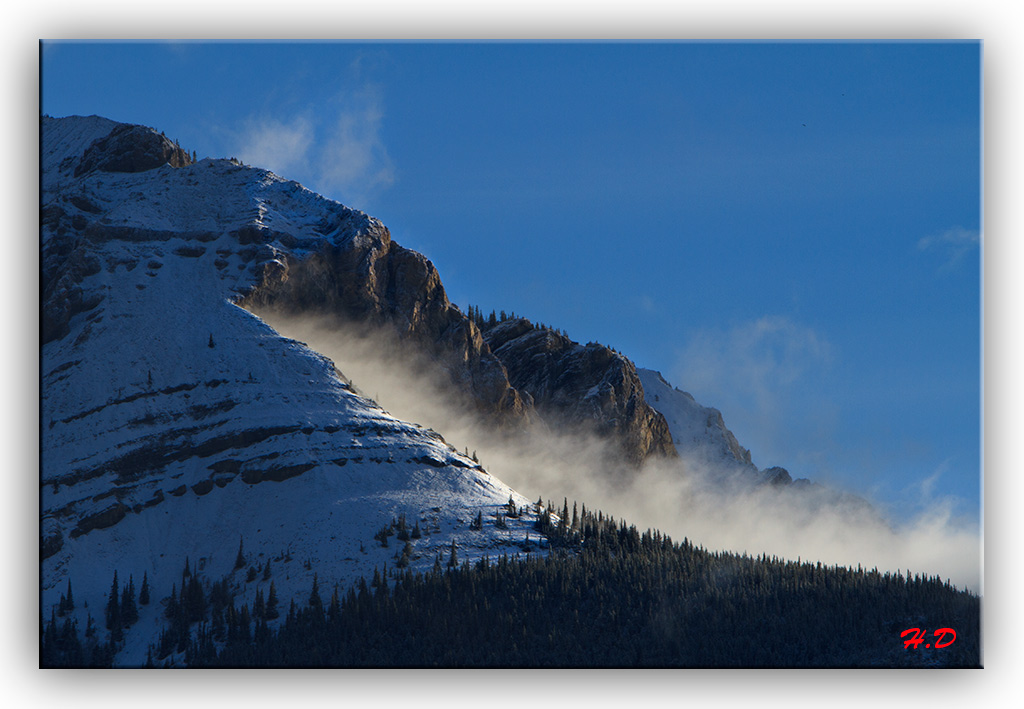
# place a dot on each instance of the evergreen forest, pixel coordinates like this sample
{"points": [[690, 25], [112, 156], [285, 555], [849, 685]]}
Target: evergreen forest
{"points": [[606, 595]]}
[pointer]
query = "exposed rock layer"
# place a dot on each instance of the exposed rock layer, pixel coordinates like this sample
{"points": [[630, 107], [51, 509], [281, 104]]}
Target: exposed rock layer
{"points": [[590, 386], [371, 280], [348, 267]]}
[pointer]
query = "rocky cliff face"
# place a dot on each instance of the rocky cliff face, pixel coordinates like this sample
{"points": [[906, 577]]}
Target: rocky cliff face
{"points": [[130, 148], [371, 280], [340, 263], [588, 386], [699, 432]]}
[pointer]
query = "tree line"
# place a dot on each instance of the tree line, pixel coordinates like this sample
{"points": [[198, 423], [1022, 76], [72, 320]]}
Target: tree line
{"points": [[606, 595]]}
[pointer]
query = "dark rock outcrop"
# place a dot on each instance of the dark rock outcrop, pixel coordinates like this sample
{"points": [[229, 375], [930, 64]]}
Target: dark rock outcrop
{"points": [[371, 280], [107, 517], [52, 542], [511, 373], [590, 386], [776, 476], [131, 148]]}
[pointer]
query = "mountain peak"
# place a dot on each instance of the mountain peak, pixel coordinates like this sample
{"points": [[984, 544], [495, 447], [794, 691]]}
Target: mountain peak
{"points": [[131, 148], [78, 145], [175, 423]]}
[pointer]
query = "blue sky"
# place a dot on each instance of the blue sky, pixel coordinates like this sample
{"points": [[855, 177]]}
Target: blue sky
{"points": [[791, 232]]}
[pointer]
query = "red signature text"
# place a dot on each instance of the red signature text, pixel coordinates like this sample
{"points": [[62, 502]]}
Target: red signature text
{"points": [[917, 636]]}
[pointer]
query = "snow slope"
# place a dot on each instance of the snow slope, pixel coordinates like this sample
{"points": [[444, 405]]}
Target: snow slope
{"points": [[175, 424], [698, 432]]}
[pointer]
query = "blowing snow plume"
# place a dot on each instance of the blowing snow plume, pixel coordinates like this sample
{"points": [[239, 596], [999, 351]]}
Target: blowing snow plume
{"points": [[688, 497]]}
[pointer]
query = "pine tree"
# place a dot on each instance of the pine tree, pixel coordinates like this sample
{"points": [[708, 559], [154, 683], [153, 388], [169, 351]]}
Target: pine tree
{"points": [[244, 619], [173, 610], [266, 571], [219, 628], [272, 611], [114, 606], [453, 559], [403, 560], [316, 604], [240, 559], [129, 611], [70, 602], [259, 606], [144, 590], [334, 611], [193, 600], [49, 644]]}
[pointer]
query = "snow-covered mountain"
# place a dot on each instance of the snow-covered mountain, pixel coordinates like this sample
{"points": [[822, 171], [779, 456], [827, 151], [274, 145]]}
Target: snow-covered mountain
{"points": [[176, 425]]}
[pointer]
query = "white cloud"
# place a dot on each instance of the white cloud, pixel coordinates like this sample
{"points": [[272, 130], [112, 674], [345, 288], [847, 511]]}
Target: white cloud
{"points": [[953, 244], [338, 151], [758, 357], [354, 160], [927, 486], [764, 375], [280, 147]]}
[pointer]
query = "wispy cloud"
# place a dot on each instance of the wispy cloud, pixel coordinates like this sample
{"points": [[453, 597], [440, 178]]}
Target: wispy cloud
{"points": [[758, 357], [281, 147], [953, 244], [927, 486], [354, 159], [683, 498], [338, 151], [764, 375]]}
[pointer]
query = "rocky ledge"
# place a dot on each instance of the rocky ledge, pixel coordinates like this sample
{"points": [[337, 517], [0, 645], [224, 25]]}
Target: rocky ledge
{"points": [[370, 280], [589, 386]]}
